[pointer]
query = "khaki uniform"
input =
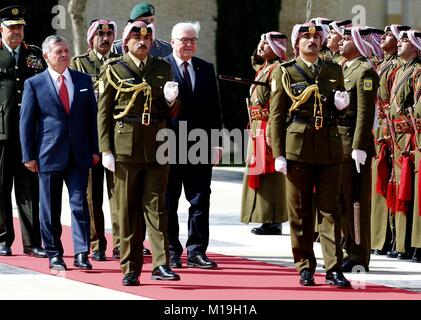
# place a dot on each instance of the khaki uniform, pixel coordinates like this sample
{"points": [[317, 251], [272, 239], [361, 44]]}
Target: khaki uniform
{"points": [[90, 63], [12, 171], [310, 141], [140, 181], [266, 203], [402, 97], [382, 219], [355, 126]]}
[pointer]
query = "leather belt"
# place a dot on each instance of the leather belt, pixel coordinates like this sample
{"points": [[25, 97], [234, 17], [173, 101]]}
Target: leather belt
{"points": [[327, 122], [135, 118]]}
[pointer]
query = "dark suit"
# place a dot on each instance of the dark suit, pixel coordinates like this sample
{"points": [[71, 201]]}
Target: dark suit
{"points": [[12, 171], [201, 110], [63, 146]]}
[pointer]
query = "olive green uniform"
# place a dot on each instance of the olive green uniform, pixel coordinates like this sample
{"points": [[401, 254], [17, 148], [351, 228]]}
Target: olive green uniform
{"points": [[382, 219], [402, 98], [266, 203], [314, 156], [140, 181], [12, 171], [91, 64], [355, 127]]}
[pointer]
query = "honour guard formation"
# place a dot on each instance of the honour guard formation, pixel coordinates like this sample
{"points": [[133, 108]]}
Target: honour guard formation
{"points": [[334, 144]]}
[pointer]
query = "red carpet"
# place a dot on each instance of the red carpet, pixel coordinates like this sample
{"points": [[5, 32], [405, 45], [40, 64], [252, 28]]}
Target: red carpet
{"points": [[235, 279]]}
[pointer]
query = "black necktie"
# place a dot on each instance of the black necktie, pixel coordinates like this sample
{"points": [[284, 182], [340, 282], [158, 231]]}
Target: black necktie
{"points": [[141, 67], [14, 54], [186, 76]]}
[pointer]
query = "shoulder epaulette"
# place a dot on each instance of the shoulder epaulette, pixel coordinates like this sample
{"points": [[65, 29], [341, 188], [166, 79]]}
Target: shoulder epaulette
{"points": [[288, 63], [34, 47], [113, 60], [163, 41], [83, 55]]}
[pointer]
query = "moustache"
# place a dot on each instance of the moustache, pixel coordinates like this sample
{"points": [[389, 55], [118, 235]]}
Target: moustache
{"points": [[104, 42]]}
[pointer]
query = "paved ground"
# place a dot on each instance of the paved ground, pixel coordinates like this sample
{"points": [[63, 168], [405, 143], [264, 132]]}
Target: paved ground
{"points": [[228, 236]]}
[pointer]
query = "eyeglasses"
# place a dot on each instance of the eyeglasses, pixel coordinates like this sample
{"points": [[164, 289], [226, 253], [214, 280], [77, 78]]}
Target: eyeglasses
{"points": [[187, 40]]}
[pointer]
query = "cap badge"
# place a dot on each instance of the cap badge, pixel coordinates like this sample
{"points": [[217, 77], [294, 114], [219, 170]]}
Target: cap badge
{"points": [[105, 28], [312, 29], [15, 11], [143, 31]]}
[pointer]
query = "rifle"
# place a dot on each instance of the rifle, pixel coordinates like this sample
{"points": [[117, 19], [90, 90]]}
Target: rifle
{"points": [[242, 80]]}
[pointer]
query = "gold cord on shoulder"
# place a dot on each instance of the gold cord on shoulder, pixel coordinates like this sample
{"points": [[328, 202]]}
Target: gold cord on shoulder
{"points": [[128, 88]]}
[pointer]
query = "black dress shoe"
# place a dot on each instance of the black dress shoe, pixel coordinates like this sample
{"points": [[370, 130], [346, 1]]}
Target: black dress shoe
{"points": [[349, 266], [146, 252], [417, 255], [201, 261], [81, 261], [404, 256], [35, 251], [392, 254], [164, 273], [99, 255], [268, 229], [116, 253], [57, 263], [130, 279], [175, 262], [337, 279], [306, 278], [379, 252], [5, 251]]}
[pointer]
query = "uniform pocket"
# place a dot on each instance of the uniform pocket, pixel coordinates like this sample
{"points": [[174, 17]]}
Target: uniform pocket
{"points": [[123, 138], [295, 138], [335, 143], [347, 135]]}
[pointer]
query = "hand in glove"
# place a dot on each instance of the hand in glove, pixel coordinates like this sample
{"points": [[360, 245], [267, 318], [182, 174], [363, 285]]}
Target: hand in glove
{"points": [[108, 161], [281, 165], [171, 91], [359, 157], [341, 100]]}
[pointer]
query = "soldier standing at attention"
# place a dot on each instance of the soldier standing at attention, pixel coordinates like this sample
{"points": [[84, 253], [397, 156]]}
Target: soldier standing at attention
{"points": [[308, 150], [263, 198], [334, 37], [135, 97], [355, 127], [382, 219], [100, 37], [18, 61], [401, 103]]}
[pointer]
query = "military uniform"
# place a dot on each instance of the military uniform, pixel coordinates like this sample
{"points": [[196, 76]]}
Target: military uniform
{"points": [[12, 171], [402, 98], [382, 219], [309, 139], [355, 127], [91, 64], [140, 182], [265, 202]]}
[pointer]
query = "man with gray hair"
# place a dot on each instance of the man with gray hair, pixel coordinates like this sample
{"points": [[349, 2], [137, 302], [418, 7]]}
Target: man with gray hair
{"points": [[200, 109], [59, 141]]}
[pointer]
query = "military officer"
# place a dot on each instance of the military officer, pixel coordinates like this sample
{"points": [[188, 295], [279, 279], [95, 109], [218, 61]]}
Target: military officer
{"points": [[355, 127], [100, 37], [18, 61], [333, 39], [263, 197], [401, 103], [145, 12], [136, 93], [308, 150], [382, 219]]}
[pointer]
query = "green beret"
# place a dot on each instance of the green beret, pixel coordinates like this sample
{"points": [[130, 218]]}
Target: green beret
{"points": [[142, 9]]}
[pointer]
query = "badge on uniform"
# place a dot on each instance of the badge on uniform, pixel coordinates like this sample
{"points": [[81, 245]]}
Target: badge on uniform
{"points": [[34, 62], [368, 85], [101, 86], [298, 87]]}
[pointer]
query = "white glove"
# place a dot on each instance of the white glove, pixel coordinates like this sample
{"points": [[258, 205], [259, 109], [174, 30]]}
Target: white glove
{"points": [[341, 100], [108, 161], [171, 91], [359, 157], [281, 165]]}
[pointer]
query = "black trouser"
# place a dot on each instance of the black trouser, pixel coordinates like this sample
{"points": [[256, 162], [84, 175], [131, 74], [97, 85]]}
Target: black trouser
{"points": [[13, 172], [196, 180]]}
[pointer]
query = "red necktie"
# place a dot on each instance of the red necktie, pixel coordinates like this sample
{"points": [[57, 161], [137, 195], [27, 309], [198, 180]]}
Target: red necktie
{"points": [[63, 94], [186, 76]]}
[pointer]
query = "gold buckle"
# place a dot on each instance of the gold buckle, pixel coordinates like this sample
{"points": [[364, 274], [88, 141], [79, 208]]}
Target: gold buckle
{"points": [[146, 118], [318, 122]]}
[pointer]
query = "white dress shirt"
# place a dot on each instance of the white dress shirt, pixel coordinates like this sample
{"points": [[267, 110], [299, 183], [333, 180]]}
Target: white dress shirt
{"points": [[189, 69], [67, 80]]}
